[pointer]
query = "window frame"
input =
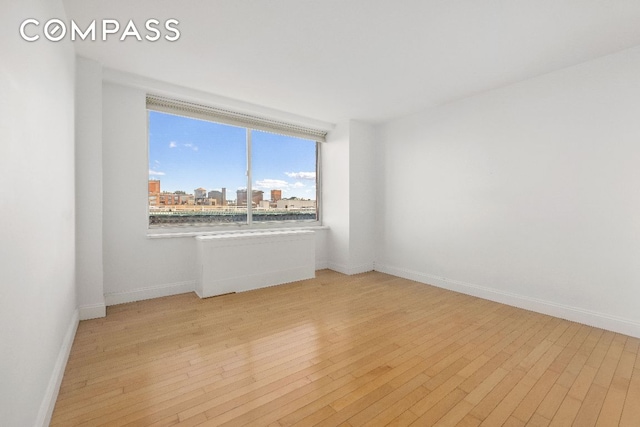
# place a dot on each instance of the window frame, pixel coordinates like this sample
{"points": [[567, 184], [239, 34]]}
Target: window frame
{"points": [[280, 128]]}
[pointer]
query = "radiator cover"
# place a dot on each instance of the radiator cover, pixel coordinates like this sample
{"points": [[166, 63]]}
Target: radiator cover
{"points": [[244, 261]]}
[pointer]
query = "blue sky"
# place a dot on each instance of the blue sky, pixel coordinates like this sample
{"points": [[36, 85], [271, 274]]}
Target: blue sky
{"points": [[186, 153]]}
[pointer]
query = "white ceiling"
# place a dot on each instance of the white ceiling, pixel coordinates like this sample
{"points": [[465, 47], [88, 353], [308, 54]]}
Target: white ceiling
{"points": [[370, 60]]}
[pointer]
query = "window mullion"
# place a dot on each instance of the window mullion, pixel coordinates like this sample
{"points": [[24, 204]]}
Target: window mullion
{"points": [[318, 181], [249, 181]]}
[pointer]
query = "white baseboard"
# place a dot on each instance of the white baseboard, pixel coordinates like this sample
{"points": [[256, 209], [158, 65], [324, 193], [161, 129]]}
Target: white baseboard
{"points": [[51, 394], [362, 268], [150, 292], [92, 311], [350, 270], [574, 314]]}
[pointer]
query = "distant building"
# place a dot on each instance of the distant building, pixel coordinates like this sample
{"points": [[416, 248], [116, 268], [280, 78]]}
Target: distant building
{"points": [[276, 195], [220, 197], [173, 199], [200, 195], [154, 192], [241, 197], [296, 204], [215, 195], [163, 199], [154, 186]]}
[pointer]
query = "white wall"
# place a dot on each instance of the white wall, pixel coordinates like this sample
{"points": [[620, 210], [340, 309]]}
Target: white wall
{"points": [[363, 198], [335, 196], [135, 266], [529, 194], [322, 249], [89, 271], [37, 290], [133, 263], [349, 199]]}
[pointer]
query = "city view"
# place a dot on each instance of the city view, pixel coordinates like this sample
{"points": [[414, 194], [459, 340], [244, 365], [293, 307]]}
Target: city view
{"points": [[187, 155], [207, 207]]}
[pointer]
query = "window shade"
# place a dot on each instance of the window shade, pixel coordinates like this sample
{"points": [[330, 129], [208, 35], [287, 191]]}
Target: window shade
{"points": [[183, 108]]}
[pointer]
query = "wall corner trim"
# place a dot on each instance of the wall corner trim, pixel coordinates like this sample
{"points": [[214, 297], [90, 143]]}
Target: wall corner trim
{"points": [[573, 314], [322, 264], [51, 394], [350, 269], [92, 311]]}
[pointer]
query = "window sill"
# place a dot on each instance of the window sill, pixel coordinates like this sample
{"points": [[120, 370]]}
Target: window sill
{"points": [[179, 233]]}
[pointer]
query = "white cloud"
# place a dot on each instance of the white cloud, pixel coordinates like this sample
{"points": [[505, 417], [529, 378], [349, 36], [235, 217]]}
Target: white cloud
{"points": [[188, 145], [271, 184], [155, 173], [301, 175], [279, 184]]}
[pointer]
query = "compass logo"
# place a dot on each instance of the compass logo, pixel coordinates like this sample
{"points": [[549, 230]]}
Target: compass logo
{"points": [[55, 30]]}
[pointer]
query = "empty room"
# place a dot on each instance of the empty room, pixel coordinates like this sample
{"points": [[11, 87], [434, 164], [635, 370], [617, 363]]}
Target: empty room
{"points": [[331, 213]]}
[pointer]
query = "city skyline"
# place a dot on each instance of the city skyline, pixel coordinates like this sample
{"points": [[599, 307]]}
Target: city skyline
{"points": [[209, 190], [222, 190], [186, 154]]}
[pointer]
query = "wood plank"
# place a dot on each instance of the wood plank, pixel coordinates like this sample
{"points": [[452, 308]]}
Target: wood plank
{"points": [[369, 349], [631, 409]]}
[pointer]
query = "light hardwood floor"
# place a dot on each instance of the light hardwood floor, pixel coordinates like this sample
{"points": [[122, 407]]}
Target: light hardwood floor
{"points": [[370, 349]]}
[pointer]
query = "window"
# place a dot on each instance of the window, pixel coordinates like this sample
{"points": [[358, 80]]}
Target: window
{"points": [[210, 167]]}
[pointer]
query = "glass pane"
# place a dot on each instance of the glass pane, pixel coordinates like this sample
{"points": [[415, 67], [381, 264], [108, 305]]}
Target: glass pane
{"points": [[284, 178], [196, 168]]}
